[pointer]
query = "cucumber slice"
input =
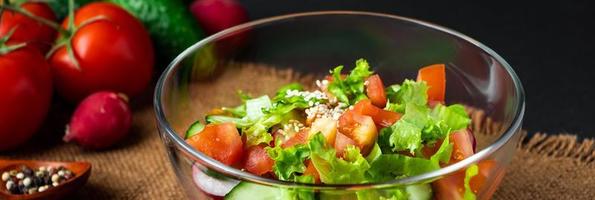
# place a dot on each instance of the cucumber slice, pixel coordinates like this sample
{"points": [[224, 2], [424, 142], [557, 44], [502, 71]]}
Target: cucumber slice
{"points": [[194, 129], [218, 119], [253, 191], [419, 192]]}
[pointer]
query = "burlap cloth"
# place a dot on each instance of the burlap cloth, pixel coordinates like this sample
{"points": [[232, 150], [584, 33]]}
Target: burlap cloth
{"points": [[544, 166]]}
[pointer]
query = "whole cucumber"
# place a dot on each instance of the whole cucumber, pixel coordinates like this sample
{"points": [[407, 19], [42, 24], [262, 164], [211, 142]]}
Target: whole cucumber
{"points": [[172, 27]]}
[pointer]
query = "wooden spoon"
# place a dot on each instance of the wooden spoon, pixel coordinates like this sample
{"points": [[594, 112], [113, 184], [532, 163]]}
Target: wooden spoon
{"points": [[81, 171]]}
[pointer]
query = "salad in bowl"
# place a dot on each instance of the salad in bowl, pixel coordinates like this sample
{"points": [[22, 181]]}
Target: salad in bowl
{"points": [[349, 128]]}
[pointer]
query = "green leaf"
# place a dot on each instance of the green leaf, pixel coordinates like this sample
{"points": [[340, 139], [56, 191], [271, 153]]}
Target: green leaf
{"points": [[335, 170], [255, 106], [374, 153], [238, 111], [444, 152], [454, 116], [351, 89], [390, 166], [406, 134], [410, 92], [472, 171], [290, 161]]}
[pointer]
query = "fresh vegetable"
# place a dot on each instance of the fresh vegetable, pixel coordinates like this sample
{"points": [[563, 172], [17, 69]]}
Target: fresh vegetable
{"points": [[194, 129], [221, 142], [26, 18], [435, 77], [211, 183], [105, 49], [464, 184], [375, 90], [382, 118], [360, 128], [258, 161], [168, 21], [26, 86], [325, 126], [100, 120], [353, 130], [341, 144], [463, 146], [350, 89], [208, 14]]}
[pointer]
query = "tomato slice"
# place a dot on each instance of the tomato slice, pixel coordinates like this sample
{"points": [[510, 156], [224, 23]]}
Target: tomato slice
{"points": [[299, 138], [382, 118], [359, 128], [341, 143], [311, 171], [221, 142], [462, 145], [258, 161], [375, 90], [452, 186], [435, 77]]}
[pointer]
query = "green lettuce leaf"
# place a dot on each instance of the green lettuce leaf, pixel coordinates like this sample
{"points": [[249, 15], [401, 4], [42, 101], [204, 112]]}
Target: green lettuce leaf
{"points": [[454, 116], [410, 92], [390, 166], [255, 107], [289, 162], [444, 152], [406, 134], [472, 171], [351, 89], [335, 170]]}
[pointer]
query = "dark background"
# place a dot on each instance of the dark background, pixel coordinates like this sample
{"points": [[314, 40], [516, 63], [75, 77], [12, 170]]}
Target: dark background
{"points": [[551, 45]]}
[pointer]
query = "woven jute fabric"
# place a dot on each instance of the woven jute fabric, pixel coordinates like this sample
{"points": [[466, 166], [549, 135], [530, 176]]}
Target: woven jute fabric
{"points": [[544, 166]]}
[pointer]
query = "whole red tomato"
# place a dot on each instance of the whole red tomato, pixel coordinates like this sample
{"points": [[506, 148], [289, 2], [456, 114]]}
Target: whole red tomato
{"points": [[26, 88], [113, 51], [27, 29]]}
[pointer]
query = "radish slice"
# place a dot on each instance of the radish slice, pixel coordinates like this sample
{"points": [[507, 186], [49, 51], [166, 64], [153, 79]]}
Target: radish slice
{"points": [[211, 185]]}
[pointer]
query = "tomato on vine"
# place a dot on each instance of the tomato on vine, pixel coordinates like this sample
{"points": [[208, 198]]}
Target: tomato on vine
{"points": [[103, 47], [30, 21], [26, 88]]}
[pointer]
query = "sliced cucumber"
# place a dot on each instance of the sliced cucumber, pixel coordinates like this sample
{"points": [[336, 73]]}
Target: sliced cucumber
{"points": [[194, 129], [253, 191], [419, 192], [218, 119]]}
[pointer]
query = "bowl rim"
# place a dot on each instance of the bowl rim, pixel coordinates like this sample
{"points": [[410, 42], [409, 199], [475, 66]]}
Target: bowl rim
{"points": [[211, 163]]}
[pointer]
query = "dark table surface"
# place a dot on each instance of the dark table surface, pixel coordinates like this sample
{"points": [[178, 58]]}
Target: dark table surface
{"points": [[551, 45]]}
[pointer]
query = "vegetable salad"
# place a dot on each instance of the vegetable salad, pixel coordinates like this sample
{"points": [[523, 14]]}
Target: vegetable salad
{"points": [[350, 130]]}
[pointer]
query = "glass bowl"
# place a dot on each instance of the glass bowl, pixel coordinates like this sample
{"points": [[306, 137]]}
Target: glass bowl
{"points": [[311, 43]]}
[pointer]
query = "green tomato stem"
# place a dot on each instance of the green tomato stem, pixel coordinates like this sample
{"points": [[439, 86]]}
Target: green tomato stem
{"points": [[36, 18]]}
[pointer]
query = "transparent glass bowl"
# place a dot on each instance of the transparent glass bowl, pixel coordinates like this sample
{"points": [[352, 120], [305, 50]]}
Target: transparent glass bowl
{"points": [[311, 43]]}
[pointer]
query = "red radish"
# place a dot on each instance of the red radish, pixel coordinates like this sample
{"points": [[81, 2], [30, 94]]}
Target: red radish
{"points": [[100, 120], [217, 15]]}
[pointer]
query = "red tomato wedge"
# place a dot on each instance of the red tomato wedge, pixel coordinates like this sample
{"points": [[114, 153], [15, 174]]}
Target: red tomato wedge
{"points": [[311, 171], [375, 91], [462, 145], [341, 143], [452, 187], [299, 138], [221, 142], [258, 161], [359, 128], [435, 77], [382, 118]]}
